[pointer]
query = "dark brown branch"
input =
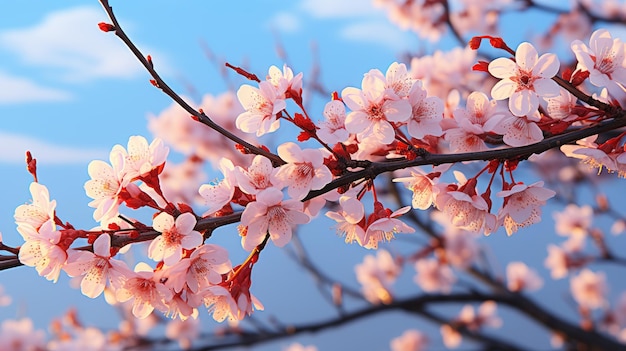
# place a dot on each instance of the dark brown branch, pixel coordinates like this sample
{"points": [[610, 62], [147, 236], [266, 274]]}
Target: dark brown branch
{"points": [[160, 83]]}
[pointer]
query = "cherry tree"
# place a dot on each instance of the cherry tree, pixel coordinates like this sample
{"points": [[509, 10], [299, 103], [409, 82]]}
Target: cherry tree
{"points": [[425, 165]]}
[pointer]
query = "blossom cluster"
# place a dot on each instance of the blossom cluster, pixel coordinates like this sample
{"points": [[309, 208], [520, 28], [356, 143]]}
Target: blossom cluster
{"points": [[392, 118]]}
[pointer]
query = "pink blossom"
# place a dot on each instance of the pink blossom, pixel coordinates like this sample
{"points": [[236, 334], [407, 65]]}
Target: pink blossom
{"points": [[464, 207], [574, 220], [333, 129], [300, 347], [525, 80], [486, 316], [221, 304], [589, 289], [451, 338], [522, 205], [218, 195], [286, 84], [433, 276], [269, 214], [261, 106], [516, 131], [468, 135], [373, 109], [461, 247], [204, 267], [141, 158], [105, 185], [519, 277], [604, 59], [304, 171], [176, 235], [385, 228], [41, 249], [349, 219], [426, 113], [185, 331], [422, 186], [20, 335], [259, 175], [399, 80], [410, 340], [39, 211], [561, 107], [96, 268], [557, 261], [376, 275], [180, 182], [146, 291], [587, 151]]}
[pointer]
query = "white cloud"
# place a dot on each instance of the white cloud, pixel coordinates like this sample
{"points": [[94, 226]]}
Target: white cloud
{"points": [[71, 41], [15, 90], [14, 147], [338, 8], [377, 32], [285, 22]]}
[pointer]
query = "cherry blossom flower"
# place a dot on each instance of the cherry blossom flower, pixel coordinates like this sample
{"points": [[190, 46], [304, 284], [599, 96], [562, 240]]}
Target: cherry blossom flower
{"points": [[5, 299], [522, 205], [270, 214], [588, 152], [300, 347], [21, 335], [141, 158], [204, 267], [399, 80], [41, 249], [333, 129], [84, 339], [373, 109], [426, 113], [604, 59], [105, 185], [422, 186], [460, 247], [433, 276], [451, 338], [180, 182], [218, 195], [176, 235], [589, 289], [486, 316], [349, 219], [561, 107], [262, 105], [259, 175], [39, 211], [286, 84], [385, 228], [525, 80], [221, 304], [185, 331], [516, 131], [575, 223], [304, 171], [410, 340], [376, 275], [558, 262], [468, 135], [146, 291], [519, 277], [464, 207], [96, 268]]}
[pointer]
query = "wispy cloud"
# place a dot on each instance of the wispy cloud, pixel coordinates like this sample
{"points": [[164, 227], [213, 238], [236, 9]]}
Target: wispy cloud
{"points": [[285, 22], [377, 32], [70, 42], [17, 90], [338, 8], [14, 147]]}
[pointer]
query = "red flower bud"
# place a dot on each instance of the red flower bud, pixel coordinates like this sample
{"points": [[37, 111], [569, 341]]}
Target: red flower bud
{"points": [[106, 27]]}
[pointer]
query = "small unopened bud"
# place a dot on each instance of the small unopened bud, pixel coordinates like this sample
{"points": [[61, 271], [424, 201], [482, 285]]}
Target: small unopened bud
{"points": [[106, 27], [481, 66], [474, 43]]}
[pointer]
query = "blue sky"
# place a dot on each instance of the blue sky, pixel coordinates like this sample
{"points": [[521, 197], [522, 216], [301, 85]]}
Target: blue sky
{"points": [[69, 92]]}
